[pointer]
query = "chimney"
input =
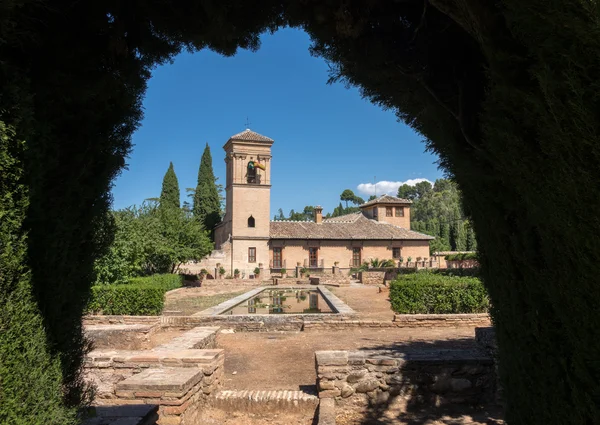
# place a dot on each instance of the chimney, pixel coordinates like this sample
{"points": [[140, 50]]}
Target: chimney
{"points": [[318, 214]]}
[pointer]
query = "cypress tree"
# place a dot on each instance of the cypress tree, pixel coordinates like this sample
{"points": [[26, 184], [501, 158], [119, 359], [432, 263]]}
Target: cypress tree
{"points": [[169, 195], [207, 205]]}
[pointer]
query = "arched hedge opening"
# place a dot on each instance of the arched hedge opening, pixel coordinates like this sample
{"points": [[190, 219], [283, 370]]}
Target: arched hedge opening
{"points": [[506, 93]]}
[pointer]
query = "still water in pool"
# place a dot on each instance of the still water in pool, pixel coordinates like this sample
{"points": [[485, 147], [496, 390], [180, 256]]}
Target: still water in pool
{"points": [[283, 301]]}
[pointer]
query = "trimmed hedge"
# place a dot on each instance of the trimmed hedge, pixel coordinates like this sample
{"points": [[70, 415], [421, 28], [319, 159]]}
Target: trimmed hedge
{"points": [[429, 293], [461, 256], [143, 296]]}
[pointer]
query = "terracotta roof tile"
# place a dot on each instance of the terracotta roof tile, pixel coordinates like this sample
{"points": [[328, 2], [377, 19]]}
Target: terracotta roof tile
{"points": [[250, 135], [350, 226], [386, 199]]}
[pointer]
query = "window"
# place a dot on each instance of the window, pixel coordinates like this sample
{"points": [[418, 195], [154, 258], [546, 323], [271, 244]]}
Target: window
{"points": [[399, 211], [252, 255], [251, 221], [313, 257], [395, 253], [388, 211], [356, 257], [375, 212], [251, 173], [276, 258]]}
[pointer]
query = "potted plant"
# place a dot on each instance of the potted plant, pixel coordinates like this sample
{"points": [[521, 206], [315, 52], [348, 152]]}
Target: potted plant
{"points": [[408, 261], [221, 272], [303, 271], [257, 271], [236, 273], [401, 260], [203, 273], [283, 272]]}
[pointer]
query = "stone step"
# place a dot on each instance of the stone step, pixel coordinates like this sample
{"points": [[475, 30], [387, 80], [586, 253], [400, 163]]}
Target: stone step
{"points": [[260, 402]]}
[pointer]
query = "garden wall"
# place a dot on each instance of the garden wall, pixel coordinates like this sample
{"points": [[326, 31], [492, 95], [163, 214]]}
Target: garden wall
{"points": [[359, 379]]}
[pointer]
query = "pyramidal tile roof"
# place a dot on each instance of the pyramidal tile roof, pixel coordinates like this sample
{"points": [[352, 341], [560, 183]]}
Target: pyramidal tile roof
{"points": [[251, 136], [386, 199]]}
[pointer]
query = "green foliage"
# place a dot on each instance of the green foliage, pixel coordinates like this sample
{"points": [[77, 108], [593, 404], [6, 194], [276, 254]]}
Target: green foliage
{"points": [[150, 239], [429, 293], [347, 195], [143, 296], [256, 271], [283, 271], [461, 257], [30, 374], [236, 272], [207, 202], [376, 263], [221, 271], [169, 195]]}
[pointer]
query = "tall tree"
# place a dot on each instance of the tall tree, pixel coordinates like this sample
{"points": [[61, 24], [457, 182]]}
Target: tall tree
{"points": [[422, 188], [207, 203], [407, 192], [169, 195], [347, 195]]}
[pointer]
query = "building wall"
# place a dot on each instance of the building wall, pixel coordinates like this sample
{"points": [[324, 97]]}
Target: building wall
{"points": [[240, 257], [403, 222], [251, 200], [294, 251]]}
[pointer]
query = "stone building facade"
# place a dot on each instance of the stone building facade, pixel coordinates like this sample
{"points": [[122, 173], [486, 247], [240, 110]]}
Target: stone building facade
{"points": [[247, 238]]}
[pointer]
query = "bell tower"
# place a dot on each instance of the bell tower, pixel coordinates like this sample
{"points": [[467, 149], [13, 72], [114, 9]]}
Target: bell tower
{"points": [[248, 200]]}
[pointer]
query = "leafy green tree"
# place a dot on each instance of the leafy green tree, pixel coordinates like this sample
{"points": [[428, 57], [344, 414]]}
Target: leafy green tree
{"points": [[422, 188], [407, 192], [347, 196], [169, 195], [207, 203], [372, 197], [358, 200]]}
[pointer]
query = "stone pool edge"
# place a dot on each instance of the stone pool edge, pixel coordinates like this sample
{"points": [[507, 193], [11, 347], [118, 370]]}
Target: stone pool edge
{"points": [[333, 301]]}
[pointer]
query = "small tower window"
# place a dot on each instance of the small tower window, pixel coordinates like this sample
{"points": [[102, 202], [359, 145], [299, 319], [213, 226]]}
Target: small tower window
{"points": [[251, 221]]}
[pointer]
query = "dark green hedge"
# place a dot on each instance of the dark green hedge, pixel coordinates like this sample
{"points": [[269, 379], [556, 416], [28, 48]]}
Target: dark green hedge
{"points": [[143, 296], [31, 382], [461, 256], [429, 293]]}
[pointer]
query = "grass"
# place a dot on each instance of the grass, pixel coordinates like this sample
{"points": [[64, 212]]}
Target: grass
{"points": [[190, 305]]}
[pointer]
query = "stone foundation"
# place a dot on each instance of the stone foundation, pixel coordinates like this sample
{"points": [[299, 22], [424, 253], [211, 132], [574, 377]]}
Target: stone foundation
{"points": [[372, 278], [125, 336], [106, 368], [359, 379], [441, 320]]}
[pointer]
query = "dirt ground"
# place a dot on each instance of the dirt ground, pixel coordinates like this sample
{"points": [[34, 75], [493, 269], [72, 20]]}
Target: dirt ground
{"points": [[187, 301], [367, 301], [286, 361], [219, 417]]}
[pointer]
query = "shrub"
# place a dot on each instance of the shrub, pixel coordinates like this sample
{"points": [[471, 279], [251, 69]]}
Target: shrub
{"points": [[283, 271], [256, 271], [236, 272], [143, 296], [433, 293], [221, 271]]}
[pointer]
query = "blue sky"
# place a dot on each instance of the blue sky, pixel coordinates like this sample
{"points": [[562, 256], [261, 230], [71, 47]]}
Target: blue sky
{"points": [[327, 138]]}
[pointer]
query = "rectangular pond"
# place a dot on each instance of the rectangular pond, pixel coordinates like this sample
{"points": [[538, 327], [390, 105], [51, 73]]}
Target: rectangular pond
{"points": [[283, 301]]}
